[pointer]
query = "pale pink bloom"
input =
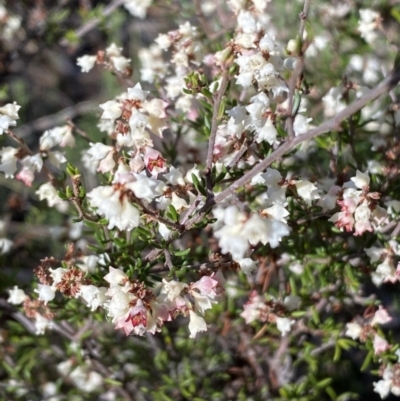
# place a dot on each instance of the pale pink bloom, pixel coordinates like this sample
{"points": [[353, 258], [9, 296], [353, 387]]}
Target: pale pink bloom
{"points": [[207, 286], [154, 162], [26, 176], [108, 163], [381, 316], [135, 320], [253, 308], [380, 344]]}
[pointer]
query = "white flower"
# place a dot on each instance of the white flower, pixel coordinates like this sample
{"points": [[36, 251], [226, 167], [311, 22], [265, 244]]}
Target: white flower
{"points": [[172, 288], [267, 133], [307, 190], [8, 116], [46, 293], [8, 161], [86, 62], [48, 192], [94, 296], [284, 325], [89, 263], [120, 63], [86, 381], [361, 180], [146, 188], [247, 266], [367, 24], [115, 276], [61, 136], [196, 324], [137, 8], [113, 50], [112, 110], [382, 387], [41, 324], [5, 245], [115, 207], [17, 296], [353, 330]]}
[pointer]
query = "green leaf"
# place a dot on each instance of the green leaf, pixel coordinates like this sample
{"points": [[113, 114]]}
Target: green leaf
{"points": [[367, 360], [172, 213], [182, 253]]}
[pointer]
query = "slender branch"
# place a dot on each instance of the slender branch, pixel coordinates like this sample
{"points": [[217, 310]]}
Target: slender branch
{"points": [[238, 156], [52, 120], [214, 128], [333, 124], [20, 142], [298, 71], [79, 131], [77, 199], [26, 149], [203, 21], [190, 210], [91, 24]]}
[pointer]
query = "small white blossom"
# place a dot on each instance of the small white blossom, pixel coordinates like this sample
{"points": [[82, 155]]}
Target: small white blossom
{"points": [[86, 62], [17, 296], [196, 324], [284, 325]]}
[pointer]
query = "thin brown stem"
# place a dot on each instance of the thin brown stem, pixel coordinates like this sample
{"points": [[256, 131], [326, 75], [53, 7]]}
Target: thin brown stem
{"points": [[91, 24], [333, 124], [213, 133], [295, 79]]}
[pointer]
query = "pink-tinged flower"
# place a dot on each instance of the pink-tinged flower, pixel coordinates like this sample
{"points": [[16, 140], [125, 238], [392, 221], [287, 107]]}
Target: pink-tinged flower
{"points": [[361, 226], [108, 163], [381, 316], [253, 308], [207, 286], [26, 176], [135, 320], [343, 220], [154, 162], [380, 344]]}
